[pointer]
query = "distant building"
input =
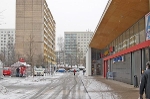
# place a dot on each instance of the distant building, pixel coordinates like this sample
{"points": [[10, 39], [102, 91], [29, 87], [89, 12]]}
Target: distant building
{"points": [[35, 31], [75, 46], [60, 57], [7, 40]]}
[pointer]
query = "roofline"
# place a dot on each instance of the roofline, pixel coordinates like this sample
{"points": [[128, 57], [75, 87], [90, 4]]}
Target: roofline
{"points": [[78, 31], [107, 6], [7, 29]]}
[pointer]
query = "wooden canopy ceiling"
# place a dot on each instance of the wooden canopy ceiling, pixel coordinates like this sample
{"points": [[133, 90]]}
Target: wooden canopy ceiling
{"points": [[118, 16]]}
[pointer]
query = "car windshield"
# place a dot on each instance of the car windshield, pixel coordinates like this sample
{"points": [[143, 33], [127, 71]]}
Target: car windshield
{"points": [[38, 69], [61, 69], [6, 68]]}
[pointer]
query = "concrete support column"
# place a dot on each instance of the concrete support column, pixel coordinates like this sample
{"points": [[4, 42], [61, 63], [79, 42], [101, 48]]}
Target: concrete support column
{"points": [[88, 62]]}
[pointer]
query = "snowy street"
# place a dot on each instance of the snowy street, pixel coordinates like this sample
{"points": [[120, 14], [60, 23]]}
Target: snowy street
{"points": [[24, 88], [62, 86], [59, 86]]}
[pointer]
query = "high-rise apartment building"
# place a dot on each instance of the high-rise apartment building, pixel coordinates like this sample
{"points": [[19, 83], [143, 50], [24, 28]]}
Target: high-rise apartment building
{"points": [[75, 46], [7, 40], [35, 32]]}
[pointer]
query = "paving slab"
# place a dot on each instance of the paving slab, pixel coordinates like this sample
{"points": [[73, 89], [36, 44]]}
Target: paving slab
{"points": [[99, 87]]}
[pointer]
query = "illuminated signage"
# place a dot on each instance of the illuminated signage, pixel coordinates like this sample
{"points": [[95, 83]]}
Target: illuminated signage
{"points": [[118, 59], [111, 49], [106, 52]]}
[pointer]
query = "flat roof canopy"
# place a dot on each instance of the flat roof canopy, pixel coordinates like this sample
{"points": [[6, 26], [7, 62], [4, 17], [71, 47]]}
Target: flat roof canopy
{"points": [[118, 16]]}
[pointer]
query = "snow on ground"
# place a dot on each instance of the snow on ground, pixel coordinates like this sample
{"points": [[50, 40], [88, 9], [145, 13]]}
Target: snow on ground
{"points": [[22, 83], [99, 90]]}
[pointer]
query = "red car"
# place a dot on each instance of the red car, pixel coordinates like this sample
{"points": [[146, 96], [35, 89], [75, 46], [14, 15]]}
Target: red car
{"points": [[7, 71]]}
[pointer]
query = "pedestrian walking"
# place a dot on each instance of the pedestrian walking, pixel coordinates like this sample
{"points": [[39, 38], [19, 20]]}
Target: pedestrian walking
{"points": [[83, 71], [145, 82], [17, 72], [74, 72]]}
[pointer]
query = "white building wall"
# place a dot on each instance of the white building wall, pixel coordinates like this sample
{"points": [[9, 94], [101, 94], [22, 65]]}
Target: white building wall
{"points": [[88, 62], [6, 35], [82, 39]]}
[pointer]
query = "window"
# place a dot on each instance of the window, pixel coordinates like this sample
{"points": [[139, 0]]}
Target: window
{"points": [[136, 33], [142, 30], [120, 42], [132, 37], [123, 41], [127, 38]]}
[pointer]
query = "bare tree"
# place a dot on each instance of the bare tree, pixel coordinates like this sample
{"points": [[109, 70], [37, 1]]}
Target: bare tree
{"points": [[2, 58], [10, 51], [40, 60], [61, 51], [30, 52]]}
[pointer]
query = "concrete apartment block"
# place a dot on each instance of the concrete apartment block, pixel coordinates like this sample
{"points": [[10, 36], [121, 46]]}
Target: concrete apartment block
{"points": [[35, 31]]}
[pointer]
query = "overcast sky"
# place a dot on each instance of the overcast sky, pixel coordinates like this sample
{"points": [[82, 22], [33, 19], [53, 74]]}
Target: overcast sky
{"points": [[69, 15]]}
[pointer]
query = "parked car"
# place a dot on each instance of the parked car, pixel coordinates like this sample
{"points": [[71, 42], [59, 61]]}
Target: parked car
{"points": [[81, 67], [7, 71], [39, 71], [62, 70]]}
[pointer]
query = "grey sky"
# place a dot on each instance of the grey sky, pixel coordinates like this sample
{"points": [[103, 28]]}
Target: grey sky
{"points": [[69, 15]]}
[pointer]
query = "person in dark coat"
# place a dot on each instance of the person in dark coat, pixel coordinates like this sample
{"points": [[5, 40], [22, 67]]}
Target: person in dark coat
{"points": [[145, 82], [17, 72], [83, 71], [74, 72]]}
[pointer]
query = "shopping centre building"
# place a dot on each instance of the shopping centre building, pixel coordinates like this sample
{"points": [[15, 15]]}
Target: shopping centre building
{"points": [[121, 41]]}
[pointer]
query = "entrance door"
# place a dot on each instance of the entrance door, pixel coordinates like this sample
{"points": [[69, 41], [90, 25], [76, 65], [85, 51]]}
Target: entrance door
{"points": [[105, 68]]}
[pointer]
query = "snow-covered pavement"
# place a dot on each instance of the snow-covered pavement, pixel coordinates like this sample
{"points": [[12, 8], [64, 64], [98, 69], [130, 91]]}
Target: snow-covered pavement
{"points": [[99, 90], [23, 88]]}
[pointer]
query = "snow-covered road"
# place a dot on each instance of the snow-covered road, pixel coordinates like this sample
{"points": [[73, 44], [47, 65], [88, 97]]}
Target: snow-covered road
{"points": [[59, 86], [23, 88]]}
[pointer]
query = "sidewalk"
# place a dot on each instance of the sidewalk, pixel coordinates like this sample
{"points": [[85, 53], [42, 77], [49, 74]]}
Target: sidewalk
{"points": [[101, 88]]}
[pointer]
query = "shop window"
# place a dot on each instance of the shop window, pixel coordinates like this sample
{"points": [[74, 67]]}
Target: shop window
{"points": [[132, 38], [121, 44], [127, 38], [136, 33], [124, 42], [142, 30]]}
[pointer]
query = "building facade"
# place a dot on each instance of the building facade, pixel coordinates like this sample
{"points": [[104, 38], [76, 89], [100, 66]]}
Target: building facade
{"points": [[75, 47], [123, 47], [7, 38], [35, 32], [60, 58]]}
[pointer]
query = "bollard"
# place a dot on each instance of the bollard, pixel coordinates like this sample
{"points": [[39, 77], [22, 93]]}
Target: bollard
{"points": [[135, 81]]}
